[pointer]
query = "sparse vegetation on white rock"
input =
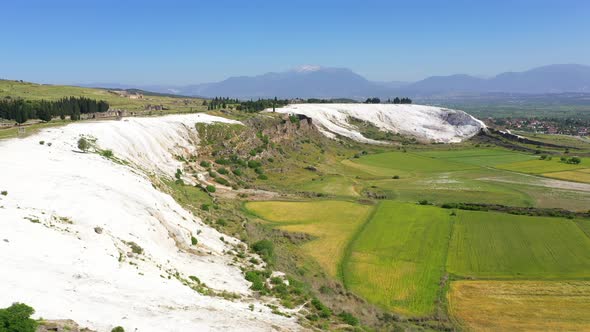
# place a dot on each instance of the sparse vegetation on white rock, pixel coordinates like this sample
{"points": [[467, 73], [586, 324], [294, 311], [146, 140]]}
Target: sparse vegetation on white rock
{"points": [[74, 271], [425, 123]]}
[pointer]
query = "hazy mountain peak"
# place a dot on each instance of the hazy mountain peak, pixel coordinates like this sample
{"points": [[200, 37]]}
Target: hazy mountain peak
{"points": [[307, 68], [314, 81]]}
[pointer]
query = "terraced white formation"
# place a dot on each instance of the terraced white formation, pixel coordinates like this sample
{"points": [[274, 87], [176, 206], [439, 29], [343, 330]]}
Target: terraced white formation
{"points": [[426, 123], [54, 260]]}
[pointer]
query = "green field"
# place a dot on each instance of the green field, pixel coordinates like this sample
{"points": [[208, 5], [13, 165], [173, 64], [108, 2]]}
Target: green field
{"points": [[479, 157], [389, 162], [337, 185], [397, 260], [331, 223], [500, 245], [462, 186]]}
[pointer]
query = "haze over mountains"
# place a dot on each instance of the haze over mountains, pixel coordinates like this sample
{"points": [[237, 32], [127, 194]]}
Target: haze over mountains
{"points": [[326, 82]]}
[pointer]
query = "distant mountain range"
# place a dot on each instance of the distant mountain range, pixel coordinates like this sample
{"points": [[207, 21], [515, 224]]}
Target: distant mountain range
{"points": [[325, 82]]}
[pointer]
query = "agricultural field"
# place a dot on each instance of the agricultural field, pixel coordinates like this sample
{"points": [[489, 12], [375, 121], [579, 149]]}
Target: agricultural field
{"points": [[500, 245], [520, 305], [447, 187], [480, 157], [331, 223], [332, 184], [399, 257], [537, 166], [578, 175], [386, 164], [389, 266], [575, 142]]}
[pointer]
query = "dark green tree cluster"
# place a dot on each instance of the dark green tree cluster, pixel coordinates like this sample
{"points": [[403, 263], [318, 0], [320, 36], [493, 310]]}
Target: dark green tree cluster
{"points": [[16, 318], [250, 106], [21, 110], [373, 100], [221, 102], [398, 100]]}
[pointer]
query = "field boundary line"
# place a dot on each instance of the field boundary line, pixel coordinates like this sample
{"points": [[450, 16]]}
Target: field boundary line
{"points": [[348, 249]]}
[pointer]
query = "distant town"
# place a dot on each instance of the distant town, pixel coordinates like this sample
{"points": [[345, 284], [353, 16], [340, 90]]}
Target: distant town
{"points": [[569, 126]]}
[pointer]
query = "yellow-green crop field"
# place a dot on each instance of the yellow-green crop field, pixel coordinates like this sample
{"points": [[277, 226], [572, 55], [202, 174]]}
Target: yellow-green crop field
{"points": [[520, 305], [332, 223], [420, 259], [397, 260]]}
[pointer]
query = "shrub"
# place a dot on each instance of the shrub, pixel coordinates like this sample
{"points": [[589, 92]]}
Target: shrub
{"points": [[211, 188], [4, 193], [254, 164], [423, 202], [135, 248], [222, 161], [348, 318], [256, 279], [264, 248], [106, 153], [83, 144], [118, 329], [574, 160], [195, 279], [205, 207], [237, 172], [276, 280], [223, 171], [258, 170], [222, 181], [194, 241], [42, 142], [16, 318], [395, 177], [262, 177], [324, 311], [205, 164], [221, 222]]}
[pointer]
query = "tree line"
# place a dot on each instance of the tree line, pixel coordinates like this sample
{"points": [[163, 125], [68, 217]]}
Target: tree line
{"points": [[250, 106], [396, 100], [21, 110]]}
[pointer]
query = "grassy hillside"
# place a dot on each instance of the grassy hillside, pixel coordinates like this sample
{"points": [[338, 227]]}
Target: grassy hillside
{"points": [[34, 91]]}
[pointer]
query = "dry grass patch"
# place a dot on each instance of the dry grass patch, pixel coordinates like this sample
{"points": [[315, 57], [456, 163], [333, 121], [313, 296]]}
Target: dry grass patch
{"points": [[332, 223], [521, 305]]}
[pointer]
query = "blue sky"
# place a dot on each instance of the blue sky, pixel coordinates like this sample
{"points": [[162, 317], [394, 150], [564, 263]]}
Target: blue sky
{"points": [[181, 42]]}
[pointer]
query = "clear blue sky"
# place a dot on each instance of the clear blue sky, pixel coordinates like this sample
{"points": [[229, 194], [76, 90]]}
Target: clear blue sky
{"points": [[180, 42]]}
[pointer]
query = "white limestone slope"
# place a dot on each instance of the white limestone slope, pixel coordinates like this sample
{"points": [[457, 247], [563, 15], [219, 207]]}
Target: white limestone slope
{"points": [[68, 270], [426, 123]]}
